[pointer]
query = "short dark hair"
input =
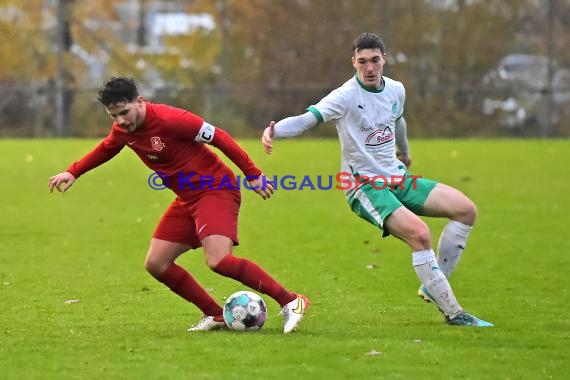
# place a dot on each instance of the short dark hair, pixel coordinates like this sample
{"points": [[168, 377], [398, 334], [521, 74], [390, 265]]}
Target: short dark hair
{"points": [[118, 90], [368, 41]]}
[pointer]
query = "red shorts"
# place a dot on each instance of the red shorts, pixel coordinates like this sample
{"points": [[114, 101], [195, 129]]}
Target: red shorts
{"points": [[214, 213]]}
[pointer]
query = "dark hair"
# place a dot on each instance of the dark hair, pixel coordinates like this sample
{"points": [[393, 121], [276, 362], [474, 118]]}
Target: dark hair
{"points": [[368, 41], [118, 90]]}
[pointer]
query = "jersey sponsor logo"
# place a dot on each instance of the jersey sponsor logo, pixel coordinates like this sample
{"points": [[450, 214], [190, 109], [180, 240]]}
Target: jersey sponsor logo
{"points": [[380, 137], [157, 144], [152, 157], [205, 134]]}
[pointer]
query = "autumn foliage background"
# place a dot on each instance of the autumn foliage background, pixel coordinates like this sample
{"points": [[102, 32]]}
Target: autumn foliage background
{"points": [[264, 60]]}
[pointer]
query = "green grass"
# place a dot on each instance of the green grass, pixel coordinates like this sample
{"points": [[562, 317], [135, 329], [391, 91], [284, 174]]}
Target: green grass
{"points": [[89, 244]]}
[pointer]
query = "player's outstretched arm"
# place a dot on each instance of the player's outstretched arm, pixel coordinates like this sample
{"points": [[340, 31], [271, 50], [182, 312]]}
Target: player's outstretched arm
{"points": [[267, 136], [288, 127], [261, 186], [61, 181]]}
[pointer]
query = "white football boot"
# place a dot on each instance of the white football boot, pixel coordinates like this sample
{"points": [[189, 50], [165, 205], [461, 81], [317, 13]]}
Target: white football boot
{"points": [[208, 323], [294, 312]]}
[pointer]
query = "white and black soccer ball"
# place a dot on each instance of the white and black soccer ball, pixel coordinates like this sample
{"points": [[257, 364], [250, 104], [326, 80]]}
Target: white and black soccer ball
{"points": [[245, 310]]}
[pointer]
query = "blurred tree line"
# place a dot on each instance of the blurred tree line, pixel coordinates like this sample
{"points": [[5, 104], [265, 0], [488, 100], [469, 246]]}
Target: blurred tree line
{"points": [[260, 60]]}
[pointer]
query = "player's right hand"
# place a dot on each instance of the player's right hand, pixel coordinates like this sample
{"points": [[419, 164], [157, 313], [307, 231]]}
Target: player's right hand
{"points": [[267, 136], [405, 158], [61, 181]]}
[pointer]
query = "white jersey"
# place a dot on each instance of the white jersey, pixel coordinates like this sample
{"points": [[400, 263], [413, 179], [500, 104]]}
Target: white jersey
{"points": [[365, 121]]}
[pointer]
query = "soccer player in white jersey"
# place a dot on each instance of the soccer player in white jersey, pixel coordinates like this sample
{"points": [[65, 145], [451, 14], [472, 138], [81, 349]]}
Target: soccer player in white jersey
{"points": [[368, 113]]}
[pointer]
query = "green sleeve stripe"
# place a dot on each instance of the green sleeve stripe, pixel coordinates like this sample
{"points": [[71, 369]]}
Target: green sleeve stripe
{"points": [[317, 114]]}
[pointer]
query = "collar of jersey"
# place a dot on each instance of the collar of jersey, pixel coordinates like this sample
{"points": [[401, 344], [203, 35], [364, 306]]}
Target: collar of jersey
{"points": [[368, 88]]}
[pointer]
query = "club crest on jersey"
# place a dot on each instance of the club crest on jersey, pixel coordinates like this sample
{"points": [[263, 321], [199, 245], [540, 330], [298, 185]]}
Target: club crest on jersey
{"points": [[394, 109], [157, 144], [379, 137]]}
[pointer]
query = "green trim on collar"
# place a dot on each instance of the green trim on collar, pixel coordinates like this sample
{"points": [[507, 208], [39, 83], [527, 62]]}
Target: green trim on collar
{"points": [[371, 89]]}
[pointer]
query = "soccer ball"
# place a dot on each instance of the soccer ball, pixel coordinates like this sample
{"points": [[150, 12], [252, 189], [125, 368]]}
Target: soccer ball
{"points": [[245, 310]]}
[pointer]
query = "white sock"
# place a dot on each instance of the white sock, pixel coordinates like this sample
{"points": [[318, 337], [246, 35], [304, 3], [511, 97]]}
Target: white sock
{"points": [[452, 242], [425, 265]]}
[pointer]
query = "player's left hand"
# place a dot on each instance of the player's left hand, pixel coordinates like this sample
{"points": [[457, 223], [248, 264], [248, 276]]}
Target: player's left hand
{"points": [[405, 158], [261, 186]]}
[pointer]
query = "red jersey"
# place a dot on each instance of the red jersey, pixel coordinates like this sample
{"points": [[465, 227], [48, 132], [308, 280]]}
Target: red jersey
{"points": [[172, 141]]}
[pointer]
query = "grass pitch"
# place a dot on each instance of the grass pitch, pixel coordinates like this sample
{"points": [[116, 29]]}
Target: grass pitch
{"points": [[76, 303]]}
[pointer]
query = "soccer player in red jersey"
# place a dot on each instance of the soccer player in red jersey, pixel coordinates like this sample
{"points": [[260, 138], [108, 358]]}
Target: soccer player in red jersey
{"points": [[171, 141]]}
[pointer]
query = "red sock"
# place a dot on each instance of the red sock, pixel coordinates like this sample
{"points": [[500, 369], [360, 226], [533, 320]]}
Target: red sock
{"points": [[183, 284], [250, 274]]}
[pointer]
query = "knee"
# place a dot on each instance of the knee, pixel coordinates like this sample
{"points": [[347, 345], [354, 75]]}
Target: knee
{"points": [[213, 259], [216, 247], [420, 238], [409, 228], [417, 235], [155, 267], [211, 263], [466, 213]]}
